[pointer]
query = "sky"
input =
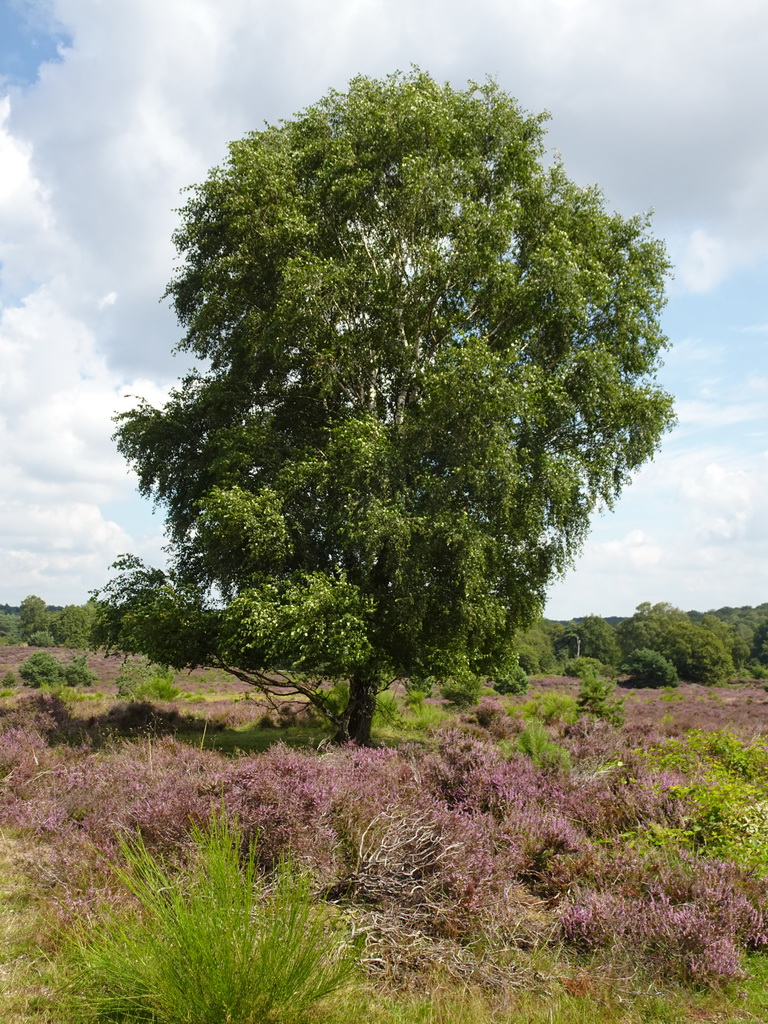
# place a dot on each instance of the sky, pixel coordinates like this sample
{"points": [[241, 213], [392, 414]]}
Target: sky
{"points": [[110, 108]]}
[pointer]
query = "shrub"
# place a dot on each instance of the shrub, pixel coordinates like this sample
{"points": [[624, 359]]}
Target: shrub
{"points": [[515, 682], [41, 669], [579, 667], [649, 668], [141, 680], [222, 946], [77, 673], [462, 690], [160, 686], [41, 638], [9, 680], [421, 686], [596, 698], [490, 713]]}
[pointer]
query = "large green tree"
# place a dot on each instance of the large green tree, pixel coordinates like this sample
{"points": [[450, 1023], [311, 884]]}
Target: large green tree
{"points": [[71, 627], [697, 650], [429, 356], [33, 616]]}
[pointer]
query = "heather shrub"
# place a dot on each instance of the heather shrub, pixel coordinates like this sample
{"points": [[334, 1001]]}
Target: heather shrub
{"points": [[596, 698], [493, 716], [139, 716], [687, 918], [221, 944], [44, 713], [41, 669], [462, 690], [550, 706], [649, 668]]}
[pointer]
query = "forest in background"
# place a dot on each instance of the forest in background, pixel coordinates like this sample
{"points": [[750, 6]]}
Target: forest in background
{"points": [[703, 647]]}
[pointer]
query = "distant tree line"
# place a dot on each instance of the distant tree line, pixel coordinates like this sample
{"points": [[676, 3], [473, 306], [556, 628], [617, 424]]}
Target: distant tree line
{"points": [[39, 624], [701, 647]]}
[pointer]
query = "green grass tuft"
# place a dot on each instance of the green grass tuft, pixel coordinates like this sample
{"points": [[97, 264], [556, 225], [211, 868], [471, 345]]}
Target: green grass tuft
{"points": [[219, 945]]}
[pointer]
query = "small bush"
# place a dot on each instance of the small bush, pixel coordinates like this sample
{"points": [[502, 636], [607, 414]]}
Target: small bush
{"points": [[162, 686], [579, 667], [130, 677], [9, 681], [514, 682], [41, 669], [77, 673], [220, 946], [596, 698], [421, 686], [337, 698], [649, 668], [42, 638], [424, 717], [141, 680], [462, 690], [414, 698]]}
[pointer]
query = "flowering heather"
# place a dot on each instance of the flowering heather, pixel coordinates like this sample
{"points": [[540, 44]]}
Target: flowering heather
{"points": [[462, 843]]}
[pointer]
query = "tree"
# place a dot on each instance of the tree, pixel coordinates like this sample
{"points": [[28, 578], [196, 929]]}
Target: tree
{"points": [[697, 652], [598, 640], [33, 615], [41, 669], [646, 629], [429, 358], [10, 628], [734, 641], [536, 647], [71, 627], [759, 649], [649, 668], [597, 697]]}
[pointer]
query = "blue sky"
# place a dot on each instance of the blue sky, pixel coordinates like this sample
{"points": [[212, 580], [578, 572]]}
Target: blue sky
{"points": [[108, 110]]}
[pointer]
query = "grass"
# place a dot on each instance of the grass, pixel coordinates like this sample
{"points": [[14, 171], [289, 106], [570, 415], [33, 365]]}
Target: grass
{"points": [[254, 739], [24, 969], [217, 946]]}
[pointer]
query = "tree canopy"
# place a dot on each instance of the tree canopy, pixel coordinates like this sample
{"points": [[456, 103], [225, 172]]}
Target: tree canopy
{"points": [[428, 357]]}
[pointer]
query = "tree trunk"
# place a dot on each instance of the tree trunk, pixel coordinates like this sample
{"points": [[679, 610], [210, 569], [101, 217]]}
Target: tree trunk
{"points": [[356, 720]]}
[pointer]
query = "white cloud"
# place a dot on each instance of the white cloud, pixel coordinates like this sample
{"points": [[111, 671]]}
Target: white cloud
{"points": [[58, 551], [703, 542], [705, 262], [662, 107]]}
